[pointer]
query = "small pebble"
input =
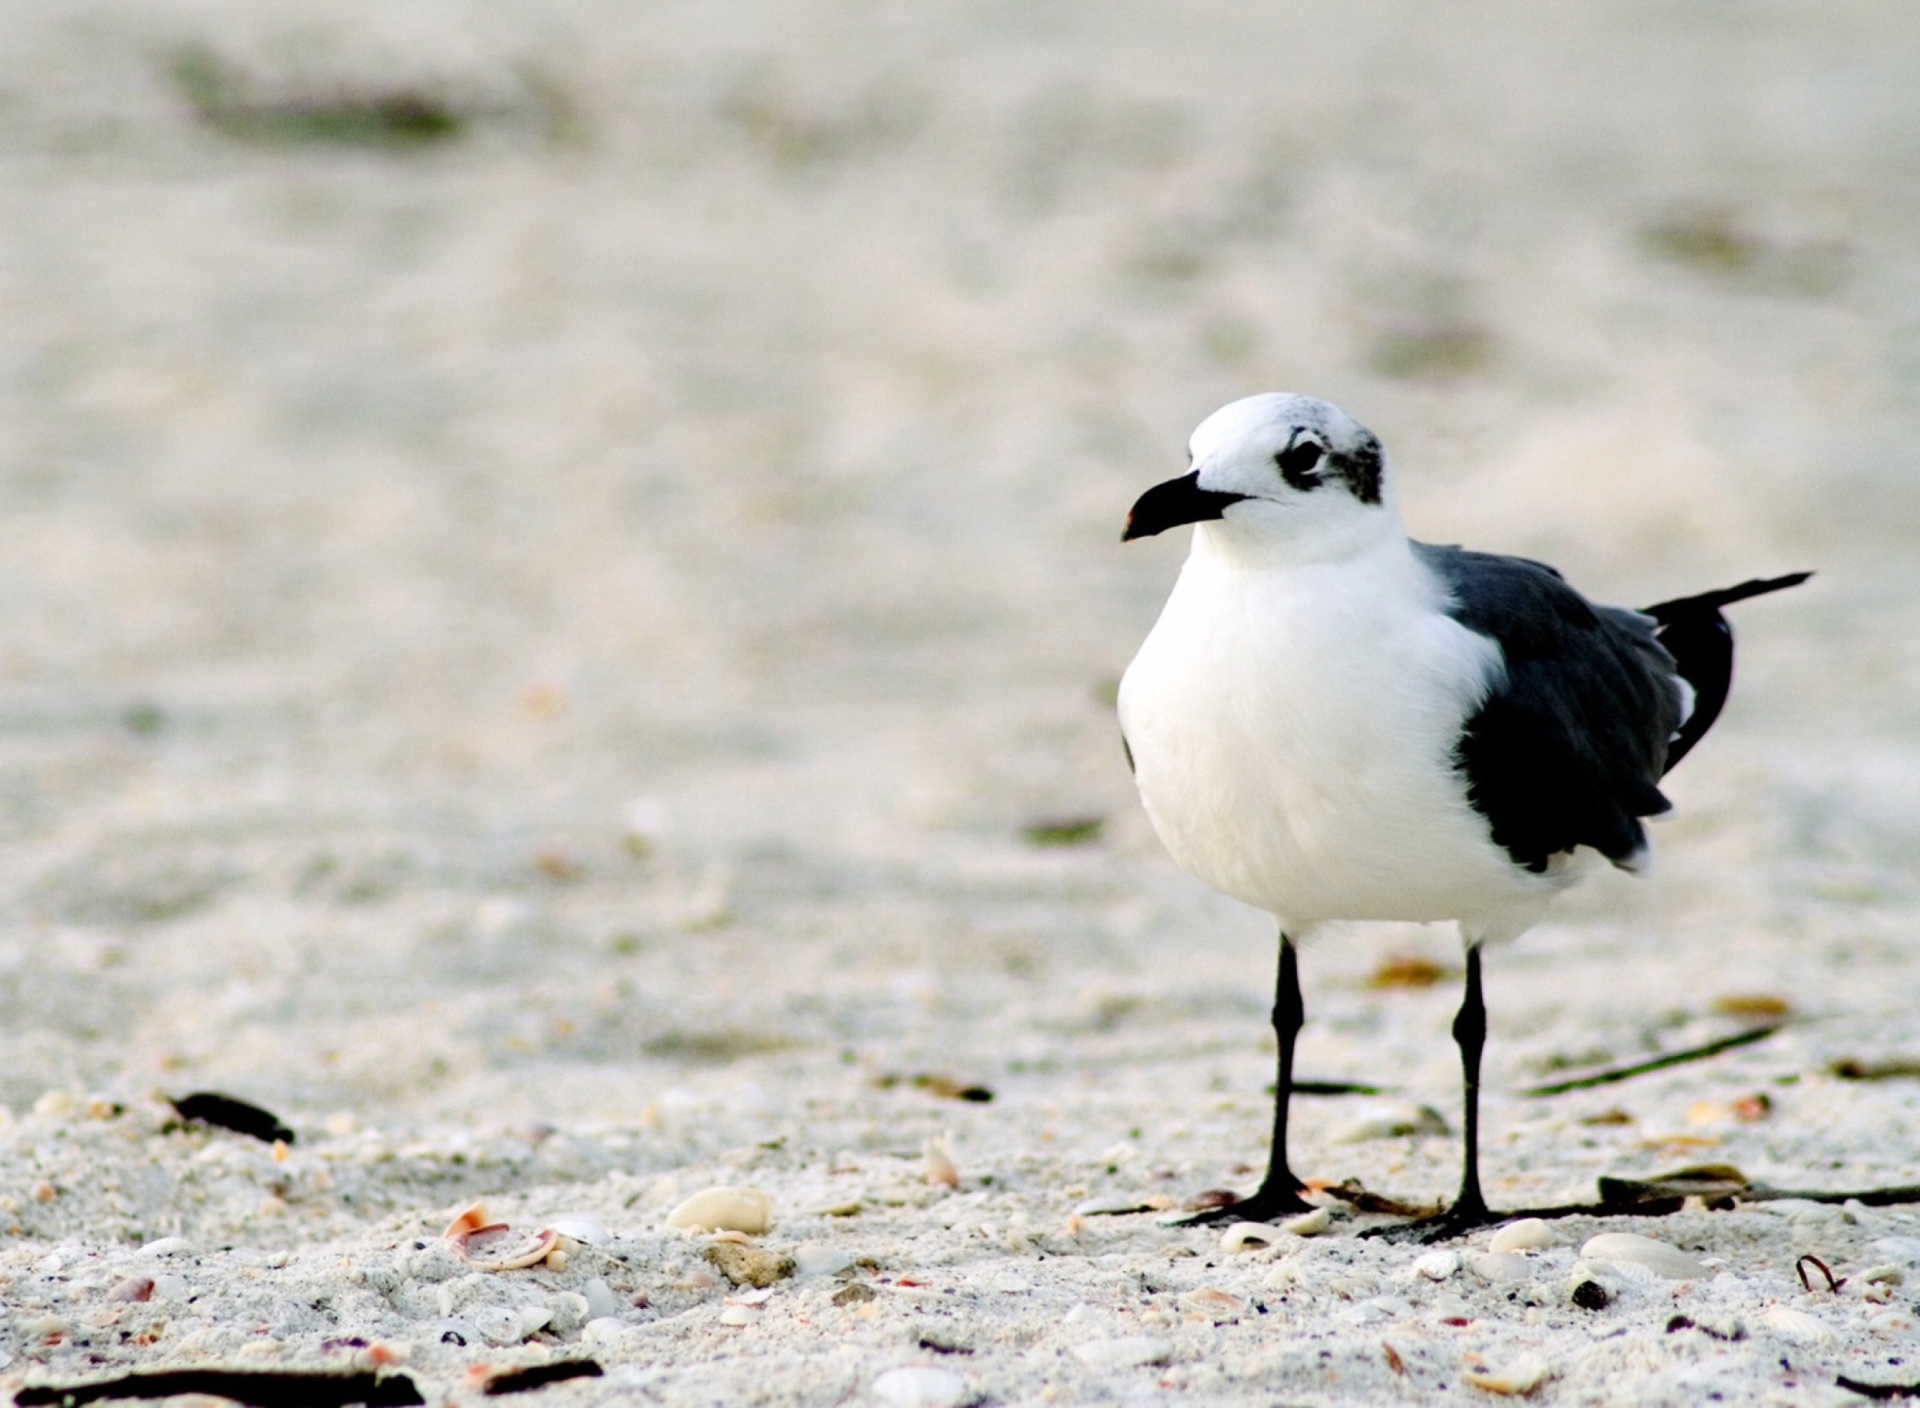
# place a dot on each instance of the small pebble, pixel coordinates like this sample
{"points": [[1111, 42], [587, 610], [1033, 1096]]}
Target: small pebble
{"points": [[725, 1209], [1248, 1237], [1127, 1352], [1529, 1234], [1309, 1224], [1661, 1258], [1436, 1266], [920, 1386], [749, 1266], [1396, 1120]]}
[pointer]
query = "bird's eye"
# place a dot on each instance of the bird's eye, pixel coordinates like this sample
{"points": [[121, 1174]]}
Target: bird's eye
{"points": [[1296, 464]]}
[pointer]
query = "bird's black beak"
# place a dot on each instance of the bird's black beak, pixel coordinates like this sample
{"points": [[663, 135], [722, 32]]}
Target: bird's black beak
{"points": [[1175, 502]]}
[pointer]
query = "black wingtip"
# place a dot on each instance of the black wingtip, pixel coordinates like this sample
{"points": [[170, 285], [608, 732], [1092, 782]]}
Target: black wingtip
{"points": [[1666, 611]]}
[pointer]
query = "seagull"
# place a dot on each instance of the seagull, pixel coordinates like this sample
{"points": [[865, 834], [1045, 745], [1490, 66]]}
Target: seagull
{"points": [[1333, 722]]}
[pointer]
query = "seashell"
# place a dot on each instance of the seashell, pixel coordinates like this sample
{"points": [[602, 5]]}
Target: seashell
{"points": [[1529, 1234], [1884, 1274], [1112, 1205], [1309, 1224], [724, 1209], [1208, 1303], [1525, 1374], [742, 1312], [498, 1324], [589, 1230], [473, 1219], [603, 1332], [1797, 1325], [1500, 1266], [920, 1386], [1436, 1266], [134, 1290], [941, 1168], [1893, 1325], [497, 1249], [174, 1246], [569, 1311], [1248, 1237], [1127, 1352], [1661, 1258]]}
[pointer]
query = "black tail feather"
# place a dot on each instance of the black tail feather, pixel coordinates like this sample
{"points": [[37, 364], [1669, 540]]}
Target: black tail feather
{"points": [[1701, 643]]}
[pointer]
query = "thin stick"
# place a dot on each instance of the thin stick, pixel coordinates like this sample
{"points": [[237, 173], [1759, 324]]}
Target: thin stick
{"points": [[1658, 1063]]}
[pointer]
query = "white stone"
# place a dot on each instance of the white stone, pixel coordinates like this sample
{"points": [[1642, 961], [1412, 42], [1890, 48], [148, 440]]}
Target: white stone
{"points": [[601, 1301], [1436, 1266], [1127, 1352], [1529, 1234], [920, 1386], [819, 1259], [1661, 1258]]}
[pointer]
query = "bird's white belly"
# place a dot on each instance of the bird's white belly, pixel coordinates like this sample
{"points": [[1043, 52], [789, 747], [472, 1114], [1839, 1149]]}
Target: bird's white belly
{"points": [[1293, 734]]}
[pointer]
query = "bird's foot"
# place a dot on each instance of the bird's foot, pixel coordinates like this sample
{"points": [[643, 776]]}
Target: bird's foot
{"points": [[1266, 1205], [1457, 1221]]}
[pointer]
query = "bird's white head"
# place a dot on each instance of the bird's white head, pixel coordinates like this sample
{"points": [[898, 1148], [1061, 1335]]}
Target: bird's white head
{"points": [[1281, 472]]}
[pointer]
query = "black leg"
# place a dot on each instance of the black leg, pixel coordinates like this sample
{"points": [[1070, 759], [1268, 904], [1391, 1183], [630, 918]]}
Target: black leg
{"points": [[1279, 1192], [1469, 1209], [1470, 1031]]}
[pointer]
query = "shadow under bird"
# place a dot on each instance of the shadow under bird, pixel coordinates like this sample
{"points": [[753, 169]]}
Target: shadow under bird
{"points": [[1333, 722]]}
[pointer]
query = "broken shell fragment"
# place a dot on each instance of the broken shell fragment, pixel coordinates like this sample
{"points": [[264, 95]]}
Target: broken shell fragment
{"points": [[582, 1229], [1309, 1224], [724, 1209], [1521, 1377], [941, 1168], [491, 1246], [1248, 1237], [1209, 1303], [1660, 1258]]}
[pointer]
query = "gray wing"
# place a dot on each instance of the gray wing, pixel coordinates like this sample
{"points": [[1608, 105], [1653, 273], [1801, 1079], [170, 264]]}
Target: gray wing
{"points": [[1569, 747]]}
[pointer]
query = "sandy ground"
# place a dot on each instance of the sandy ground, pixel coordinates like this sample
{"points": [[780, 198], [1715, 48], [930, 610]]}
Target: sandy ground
{"points": [[535, 658]]}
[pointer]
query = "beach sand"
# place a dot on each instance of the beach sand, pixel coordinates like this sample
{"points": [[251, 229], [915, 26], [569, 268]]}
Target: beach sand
{"points": [[568, 653]]}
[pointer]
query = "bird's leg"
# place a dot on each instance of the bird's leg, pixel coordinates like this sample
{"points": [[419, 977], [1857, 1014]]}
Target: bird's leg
{"points": [[1469, 1210], [1279, 1192]]}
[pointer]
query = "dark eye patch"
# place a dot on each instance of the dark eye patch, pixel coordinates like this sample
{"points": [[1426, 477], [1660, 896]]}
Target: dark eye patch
{"points": [[1296, 464]]}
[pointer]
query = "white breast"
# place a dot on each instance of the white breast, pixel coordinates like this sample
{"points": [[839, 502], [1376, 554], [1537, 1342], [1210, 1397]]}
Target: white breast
{"points": [[1293, 728]]}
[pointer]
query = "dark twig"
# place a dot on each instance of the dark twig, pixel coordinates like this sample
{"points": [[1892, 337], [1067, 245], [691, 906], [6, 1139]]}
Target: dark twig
{"points": [[260, 1388], [1806, 1281], [1657, 1063], [540, 1375], [1878, 1390]]}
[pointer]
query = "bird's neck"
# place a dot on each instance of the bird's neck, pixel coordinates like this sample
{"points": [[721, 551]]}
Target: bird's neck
{"points": [[1253, 544]]}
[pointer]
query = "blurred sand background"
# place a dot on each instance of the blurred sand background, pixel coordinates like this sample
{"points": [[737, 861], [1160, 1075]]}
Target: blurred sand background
{"points": [[538, 652]]}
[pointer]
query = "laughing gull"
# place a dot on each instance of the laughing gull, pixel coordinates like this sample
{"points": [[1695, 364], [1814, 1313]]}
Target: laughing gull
{"points": [[1332, 722]]}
